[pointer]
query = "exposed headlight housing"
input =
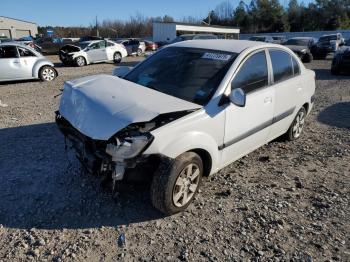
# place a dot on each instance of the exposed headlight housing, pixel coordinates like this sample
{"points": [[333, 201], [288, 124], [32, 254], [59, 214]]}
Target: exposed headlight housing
{"points": [[303, 51], [129, 147]]}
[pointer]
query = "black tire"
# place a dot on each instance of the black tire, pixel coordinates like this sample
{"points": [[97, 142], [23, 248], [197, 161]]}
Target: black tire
{"points": [[47, 73], [139, 52], [335, 70], [80, 61], [117, 57], [163, 183], [291, 135], [307, 58]]}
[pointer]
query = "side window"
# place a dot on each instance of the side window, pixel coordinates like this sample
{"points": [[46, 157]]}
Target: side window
{"points": [[253, 74], [102, 44], [296, 68], [95, 46], [23, 52], [8, 52], [281, 65]]}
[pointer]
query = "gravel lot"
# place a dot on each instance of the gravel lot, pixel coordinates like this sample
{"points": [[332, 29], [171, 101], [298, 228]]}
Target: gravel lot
{"points": [[285, 201]]}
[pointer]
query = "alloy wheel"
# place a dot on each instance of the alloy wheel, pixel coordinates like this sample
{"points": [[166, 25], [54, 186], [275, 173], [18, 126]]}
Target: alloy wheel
{"points": [[48, 74], [186, 185], [298, 124]]}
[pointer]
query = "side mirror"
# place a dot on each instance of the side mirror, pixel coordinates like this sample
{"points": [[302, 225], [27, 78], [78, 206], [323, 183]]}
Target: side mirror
{"points": [[121, 71], [238, 97]]}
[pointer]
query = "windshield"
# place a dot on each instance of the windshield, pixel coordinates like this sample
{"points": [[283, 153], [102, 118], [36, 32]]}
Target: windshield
{"points": [[190, 74], [301, 42], [83, 45]]}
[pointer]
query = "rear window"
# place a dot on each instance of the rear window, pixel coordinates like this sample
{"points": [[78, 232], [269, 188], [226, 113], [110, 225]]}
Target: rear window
{"points": [[281, 64]]}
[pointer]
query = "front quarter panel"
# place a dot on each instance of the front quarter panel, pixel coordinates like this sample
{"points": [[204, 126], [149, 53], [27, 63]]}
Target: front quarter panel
{"points": [[198, 130]]}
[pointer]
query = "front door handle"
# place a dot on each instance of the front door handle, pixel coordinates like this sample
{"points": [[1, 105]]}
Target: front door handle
{"points": [[267, 100]]}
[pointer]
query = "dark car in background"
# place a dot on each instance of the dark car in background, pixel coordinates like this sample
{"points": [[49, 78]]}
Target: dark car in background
{"points": [[89, 38], [302, 46], [341, 59], [279, 39], [328, 44], [193, 37], [51, 46], [262, 38]]}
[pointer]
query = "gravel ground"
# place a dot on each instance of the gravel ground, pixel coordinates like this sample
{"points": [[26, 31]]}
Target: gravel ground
{"points": [[285, 201]]}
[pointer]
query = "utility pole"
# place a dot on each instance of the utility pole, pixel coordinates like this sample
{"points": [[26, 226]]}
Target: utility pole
{"points": [[97, 32]]}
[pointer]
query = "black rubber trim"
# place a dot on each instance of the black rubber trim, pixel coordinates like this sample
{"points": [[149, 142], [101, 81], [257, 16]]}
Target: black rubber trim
{"points": [[258, 128], [312, 99]]}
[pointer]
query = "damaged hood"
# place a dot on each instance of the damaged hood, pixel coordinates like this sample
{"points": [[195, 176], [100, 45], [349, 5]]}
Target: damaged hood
{"points": [[100, 106]]}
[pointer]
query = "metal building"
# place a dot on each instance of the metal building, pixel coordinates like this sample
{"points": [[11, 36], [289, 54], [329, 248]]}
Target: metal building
{"points": [[166, 32], [15, 28]]}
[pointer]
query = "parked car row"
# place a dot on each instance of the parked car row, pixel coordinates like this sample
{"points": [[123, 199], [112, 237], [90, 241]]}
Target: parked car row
{"points": [[307, 48]]}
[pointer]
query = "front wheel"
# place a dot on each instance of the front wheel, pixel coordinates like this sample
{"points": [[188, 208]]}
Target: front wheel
{"points": [[117, 57], [80, 61], [175, 184], [295, 130], [47, 73]]}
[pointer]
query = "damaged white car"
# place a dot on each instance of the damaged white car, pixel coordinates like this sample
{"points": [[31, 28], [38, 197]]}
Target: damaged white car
{"points": [[186, 112], [90, 52]]}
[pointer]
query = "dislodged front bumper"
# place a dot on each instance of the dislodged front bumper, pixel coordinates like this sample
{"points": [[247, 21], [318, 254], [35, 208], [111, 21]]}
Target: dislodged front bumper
{"points": [[93, 153]]}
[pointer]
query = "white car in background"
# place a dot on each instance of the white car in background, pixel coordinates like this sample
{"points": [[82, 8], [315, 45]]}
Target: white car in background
{"points": [[90, 52], [20, 62], [187, 111]]}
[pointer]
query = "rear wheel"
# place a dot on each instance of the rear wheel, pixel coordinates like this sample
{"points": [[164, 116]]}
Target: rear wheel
{"points": [[80, 61], [295, 130], [139, 52], [117, 57], [47, 73], [175, 184]]}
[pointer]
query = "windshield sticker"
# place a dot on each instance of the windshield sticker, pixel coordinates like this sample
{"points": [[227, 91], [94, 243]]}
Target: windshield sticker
{"points": [[215, 56]]}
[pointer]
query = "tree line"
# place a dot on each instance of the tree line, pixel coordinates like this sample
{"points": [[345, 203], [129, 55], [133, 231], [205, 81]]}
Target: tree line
{"points": [[255, 16]]}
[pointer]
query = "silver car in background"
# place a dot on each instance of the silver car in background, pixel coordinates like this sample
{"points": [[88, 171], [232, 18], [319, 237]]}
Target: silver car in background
{"points": [[19, 62]]}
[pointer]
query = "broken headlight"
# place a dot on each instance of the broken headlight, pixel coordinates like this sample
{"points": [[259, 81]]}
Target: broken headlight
{"points": [[129, 147]]}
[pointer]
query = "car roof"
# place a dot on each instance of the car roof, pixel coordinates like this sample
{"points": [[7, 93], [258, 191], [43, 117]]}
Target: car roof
{"points": [[234, 46]]}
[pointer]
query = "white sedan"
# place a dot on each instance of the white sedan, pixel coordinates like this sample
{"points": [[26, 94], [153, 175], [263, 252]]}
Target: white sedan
{"points": [[185, 112], [90, 52]]}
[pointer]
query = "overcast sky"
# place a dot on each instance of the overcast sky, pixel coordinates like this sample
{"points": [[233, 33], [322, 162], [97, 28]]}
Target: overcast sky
{"points": [[83, 12]]}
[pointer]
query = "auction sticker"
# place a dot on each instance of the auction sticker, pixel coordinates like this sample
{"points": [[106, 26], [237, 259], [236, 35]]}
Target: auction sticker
{"points": [[216, 56]]}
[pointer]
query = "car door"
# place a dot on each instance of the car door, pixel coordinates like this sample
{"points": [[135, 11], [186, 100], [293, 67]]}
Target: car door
{"points": [[247, 128], [27, 59], [97, 52], [10, 65], [135, 46], [128, 46], [288, 86]]}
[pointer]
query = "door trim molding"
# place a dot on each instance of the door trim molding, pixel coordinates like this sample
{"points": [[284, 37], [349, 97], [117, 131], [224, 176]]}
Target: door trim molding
{"points": [[258, 128]]}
